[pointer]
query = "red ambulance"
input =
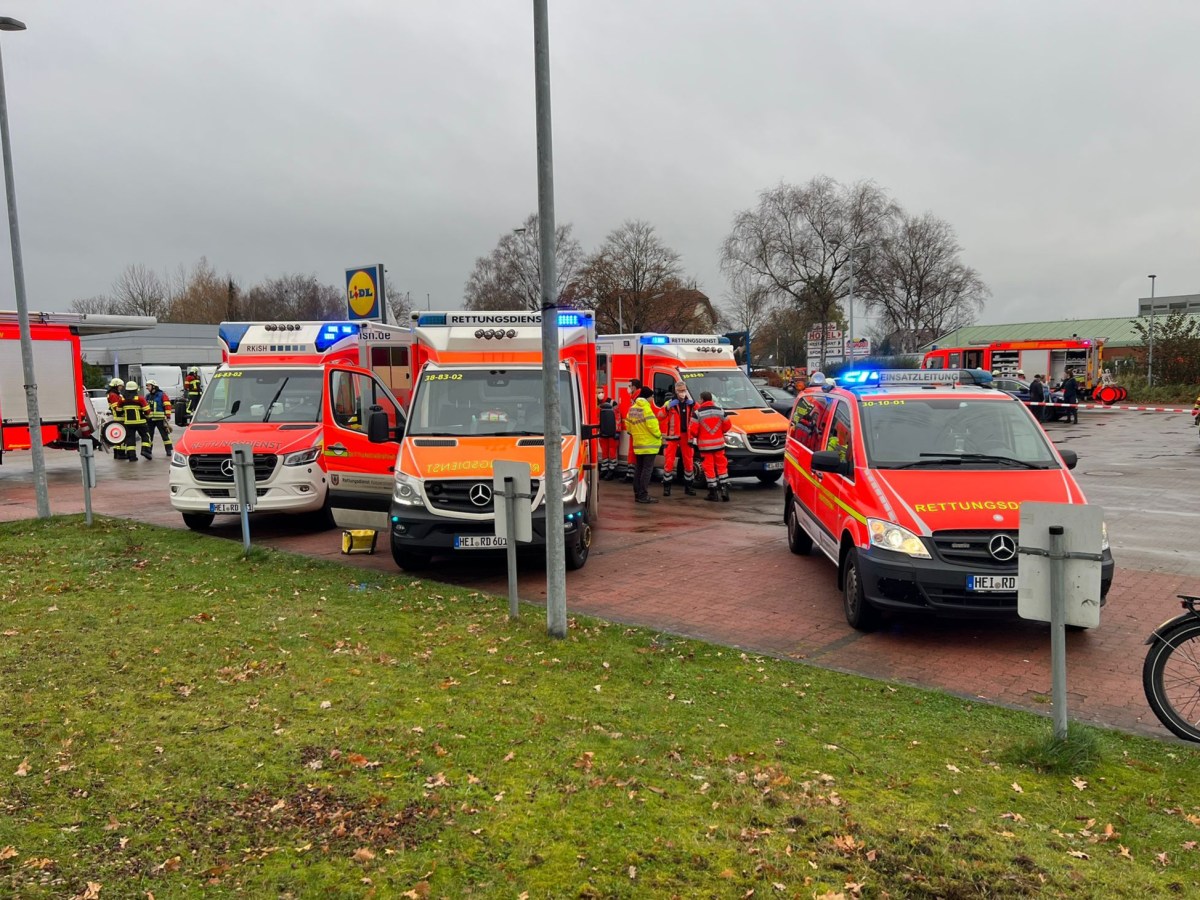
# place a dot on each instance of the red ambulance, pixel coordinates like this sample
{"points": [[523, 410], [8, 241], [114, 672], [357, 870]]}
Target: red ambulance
{"points": [[911, 482]]}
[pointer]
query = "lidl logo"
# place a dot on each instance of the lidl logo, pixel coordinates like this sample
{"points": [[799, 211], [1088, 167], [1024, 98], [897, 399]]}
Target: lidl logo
{"points": [[362, 294]]}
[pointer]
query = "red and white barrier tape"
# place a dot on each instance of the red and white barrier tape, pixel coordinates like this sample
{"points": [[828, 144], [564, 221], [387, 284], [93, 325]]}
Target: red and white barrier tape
{"points": [[1169, 409]]}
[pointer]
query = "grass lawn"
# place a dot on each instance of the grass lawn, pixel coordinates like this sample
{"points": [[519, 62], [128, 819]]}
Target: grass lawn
{"points": [[179, 720]]}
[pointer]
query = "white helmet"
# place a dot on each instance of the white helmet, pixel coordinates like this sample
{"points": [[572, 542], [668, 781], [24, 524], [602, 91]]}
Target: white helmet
{"points": [[150, 382], [115, 383], [131, 386], [193, 371]]}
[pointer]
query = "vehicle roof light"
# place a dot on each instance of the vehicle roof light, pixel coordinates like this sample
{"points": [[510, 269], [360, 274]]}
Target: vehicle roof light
{"points": [[333, 332], [655, 339], [572, 319], [231, 334], [437, 319]]}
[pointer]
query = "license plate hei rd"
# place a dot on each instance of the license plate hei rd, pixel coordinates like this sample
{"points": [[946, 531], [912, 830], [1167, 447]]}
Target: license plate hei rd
{"points": [[987, 583], [479, 542]]}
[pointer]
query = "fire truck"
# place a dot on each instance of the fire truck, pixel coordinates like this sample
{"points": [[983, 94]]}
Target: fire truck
{"points": [[754, 446], [66, 414], [1051, 358], [478, 398], [300, 394]]}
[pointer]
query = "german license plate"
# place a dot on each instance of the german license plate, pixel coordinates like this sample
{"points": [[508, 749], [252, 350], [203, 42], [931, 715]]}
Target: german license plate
{"points": [[479, 542], [225, 507], [985, 583], [773, 466]]}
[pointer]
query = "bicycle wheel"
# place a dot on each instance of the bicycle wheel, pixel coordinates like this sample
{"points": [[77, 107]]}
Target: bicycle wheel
{"points": [[1171, 679]]}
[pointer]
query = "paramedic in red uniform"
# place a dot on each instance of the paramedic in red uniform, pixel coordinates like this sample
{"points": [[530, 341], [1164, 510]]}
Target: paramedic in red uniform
{"points": [[680, 410], [608, 437], [708, 428]]}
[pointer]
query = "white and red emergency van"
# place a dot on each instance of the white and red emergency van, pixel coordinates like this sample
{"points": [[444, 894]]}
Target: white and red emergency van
{"points": [[911, 482], [478, 398], [301, 394], [704, 362]]}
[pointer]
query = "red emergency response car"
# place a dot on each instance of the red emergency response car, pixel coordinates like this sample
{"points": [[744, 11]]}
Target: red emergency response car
{"points": [[911, 482]]}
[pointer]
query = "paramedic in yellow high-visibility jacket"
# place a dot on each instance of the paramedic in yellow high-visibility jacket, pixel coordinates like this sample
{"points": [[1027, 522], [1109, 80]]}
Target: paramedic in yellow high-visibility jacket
{"points": [[646, 437]]}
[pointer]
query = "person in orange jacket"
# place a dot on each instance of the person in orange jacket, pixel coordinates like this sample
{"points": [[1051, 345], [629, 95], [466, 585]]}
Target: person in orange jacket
{"points": [[680, 411], [708, 428], [608, 437]]}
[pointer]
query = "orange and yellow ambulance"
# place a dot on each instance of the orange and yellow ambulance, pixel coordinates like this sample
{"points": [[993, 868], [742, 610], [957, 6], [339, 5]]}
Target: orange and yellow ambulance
{"points": [[300, 394], [911, 482], [478, 398], [704, 362]]}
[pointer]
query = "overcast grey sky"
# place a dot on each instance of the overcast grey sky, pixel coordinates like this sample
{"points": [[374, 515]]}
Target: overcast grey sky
{"points": [[1059, 137]]}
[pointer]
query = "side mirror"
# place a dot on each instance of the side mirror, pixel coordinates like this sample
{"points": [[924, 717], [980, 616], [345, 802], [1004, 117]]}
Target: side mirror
{"points": [[827, 461], [377, 426], [1069, 457]]}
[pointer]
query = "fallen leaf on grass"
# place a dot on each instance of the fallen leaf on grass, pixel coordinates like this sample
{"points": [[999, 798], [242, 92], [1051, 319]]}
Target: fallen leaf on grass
{"points": [[325, 704], [23, 768], [1016, 787], [8, 852], [1162, 859], [585, 761], [37, 862], [361, 762], [1078, 854], [363, 854], [419, 891], [90, 892], [953, 768], [1079, 783], [1125, 852]]}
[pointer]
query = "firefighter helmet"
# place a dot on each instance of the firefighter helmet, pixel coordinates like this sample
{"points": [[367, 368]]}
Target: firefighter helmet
{"points": [[115, 383], [131, 386], [193, 371], [150, 382]]}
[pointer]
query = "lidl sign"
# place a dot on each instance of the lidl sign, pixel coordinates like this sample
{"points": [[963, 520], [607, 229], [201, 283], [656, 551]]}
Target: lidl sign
{"points": [[365, 293]]}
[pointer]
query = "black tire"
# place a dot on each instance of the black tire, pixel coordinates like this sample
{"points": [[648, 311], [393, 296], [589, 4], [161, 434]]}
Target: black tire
{"points": [[798, 540], [409, 560], [1171, 680], [198, 521], [769, 477], [322, 519], [577, 553], [860, 614]]}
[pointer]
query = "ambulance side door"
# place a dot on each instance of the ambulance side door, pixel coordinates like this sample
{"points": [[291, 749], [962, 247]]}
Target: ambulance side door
{"points": [[806, 434], [361, 474], [836, 491]]}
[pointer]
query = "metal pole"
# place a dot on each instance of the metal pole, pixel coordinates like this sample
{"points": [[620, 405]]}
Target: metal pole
{"points": [[556, 559], [510, 516], [620, 316], [1058, 632], [41, 491], [87, 461], [1150, 355], [850, 362]]}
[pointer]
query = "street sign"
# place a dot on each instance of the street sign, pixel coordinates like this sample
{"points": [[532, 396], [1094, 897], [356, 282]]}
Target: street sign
{"points": [[1082, 538]]}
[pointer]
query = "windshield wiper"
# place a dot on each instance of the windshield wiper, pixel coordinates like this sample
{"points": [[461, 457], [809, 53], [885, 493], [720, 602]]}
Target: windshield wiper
{"points": [[933, 459], [275, 399]]}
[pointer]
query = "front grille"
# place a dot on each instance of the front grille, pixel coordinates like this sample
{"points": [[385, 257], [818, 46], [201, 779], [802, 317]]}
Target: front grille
{"points": [[454, 495], [226, 493], [435, 442], [970, 548], [207, 467], [768, 440], [944, 596]]}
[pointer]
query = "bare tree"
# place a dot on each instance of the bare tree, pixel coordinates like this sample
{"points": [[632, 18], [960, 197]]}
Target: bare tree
{"points": [[749, 307], [91, 306], [634, 283], [917, 284], [296, 297], [139, 291], [510, 277], [399, 304], [796, 244], [202, 296]]}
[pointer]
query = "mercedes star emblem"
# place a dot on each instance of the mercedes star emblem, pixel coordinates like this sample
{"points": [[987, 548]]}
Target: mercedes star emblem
{"points": [[1002, 547], [227, 467], [480, 493]]}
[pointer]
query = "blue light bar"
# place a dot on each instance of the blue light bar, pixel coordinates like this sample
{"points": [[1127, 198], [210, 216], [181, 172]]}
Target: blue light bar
{"points": [[231, 334], [655, 339], [571, 320], [859, 377], [332, 333], [724, 340], [439, 319]]}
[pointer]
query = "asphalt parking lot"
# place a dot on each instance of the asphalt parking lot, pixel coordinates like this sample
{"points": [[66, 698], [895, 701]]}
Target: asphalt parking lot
{"points": [[723, 573]]}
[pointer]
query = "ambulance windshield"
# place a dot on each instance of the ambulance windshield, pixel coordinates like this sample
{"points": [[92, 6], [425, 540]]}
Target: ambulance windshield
{"points": [[944, 432], [261, 394], [466, 402], [731, 389]]}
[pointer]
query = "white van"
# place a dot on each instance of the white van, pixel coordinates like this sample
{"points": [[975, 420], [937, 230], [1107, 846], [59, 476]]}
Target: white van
{"points": [[169, 378]]}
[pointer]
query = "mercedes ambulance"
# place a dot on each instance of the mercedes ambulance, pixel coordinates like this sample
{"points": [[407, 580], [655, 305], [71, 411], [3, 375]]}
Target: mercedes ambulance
{"points": [[478, 398], [300, 393], [704, 362], [911, 482]]}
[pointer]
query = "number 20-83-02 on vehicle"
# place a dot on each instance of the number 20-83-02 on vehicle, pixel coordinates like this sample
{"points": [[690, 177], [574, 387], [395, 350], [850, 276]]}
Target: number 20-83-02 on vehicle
{"points": [[911, 482]]}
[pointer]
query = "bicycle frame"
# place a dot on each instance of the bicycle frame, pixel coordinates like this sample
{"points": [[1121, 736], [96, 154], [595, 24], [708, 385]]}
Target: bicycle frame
{"points": [[1160, 633]]}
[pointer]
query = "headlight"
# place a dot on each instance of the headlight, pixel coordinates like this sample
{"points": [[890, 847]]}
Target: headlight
{"points": [[178, 459], [407, 491], [889, 536], [570, 479], [735, 440], [1103, 536], [303, 457]]}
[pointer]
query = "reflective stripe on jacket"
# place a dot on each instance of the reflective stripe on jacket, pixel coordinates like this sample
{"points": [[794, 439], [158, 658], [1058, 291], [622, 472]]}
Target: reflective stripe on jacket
{"points": [[709, 426], [679, 415], [642, 425], [160, 404], [134, 411]]}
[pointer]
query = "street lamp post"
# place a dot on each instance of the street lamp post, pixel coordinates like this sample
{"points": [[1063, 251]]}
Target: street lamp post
{"points": [[853, 247], [1150, 355], [41, 491]]}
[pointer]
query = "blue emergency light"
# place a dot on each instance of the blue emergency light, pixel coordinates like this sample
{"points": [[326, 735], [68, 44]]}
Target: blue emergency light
{"points": [[655, 339], [438, 319], [333, 332], [572, 319], [231, 334], [859, 377]]}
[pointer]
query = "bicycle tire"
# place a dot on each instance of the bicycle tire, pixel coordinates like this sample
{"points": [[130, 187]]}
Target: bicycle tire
{"points": [[1171, 679]]}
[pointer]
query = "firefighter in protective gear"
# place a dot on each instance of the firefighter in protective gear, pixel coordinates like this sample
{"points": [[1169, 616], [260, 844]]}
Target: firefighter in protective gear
{"points": [[646, 438], [159, 419], [135, 413], [680, 411], [115, 399], [191, 391], [608, 437], [708, 428]]}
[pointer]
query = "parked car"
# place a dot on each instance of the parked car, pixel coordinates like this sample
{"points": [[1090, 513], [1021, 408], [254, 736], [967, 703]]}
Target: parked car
{"points": [[1020, 389], [777, 398]]}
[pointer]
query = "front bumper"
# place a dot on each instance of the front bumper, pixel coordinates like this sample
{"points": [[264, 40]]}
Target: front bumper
{"points": [[748, 464], [290, 489], [893, 581], [418, 530]]}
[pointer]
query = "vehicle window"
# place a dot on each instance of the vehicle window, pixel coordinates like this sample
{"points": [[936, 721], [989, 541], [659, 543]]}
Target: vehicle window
{"points": [[841, 435], [808, 421], [932, 432], [486, 402], [955, 361], [731, 388], [349, 394], [936, 362], [262, 394], [664, 387]]}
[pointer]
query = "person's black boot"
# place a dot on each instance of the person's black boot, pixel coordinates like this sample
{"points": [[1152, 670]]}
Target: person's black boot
{"points": [[688, 489], [666, 489], [712, 496], [725, 492]]}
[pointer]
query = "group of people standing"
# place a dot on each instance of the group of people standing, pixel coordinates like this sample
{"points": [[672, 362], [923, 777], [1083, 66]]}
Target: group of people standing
{"points": [[681, 429], [141, 416], [1040, 393]]}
